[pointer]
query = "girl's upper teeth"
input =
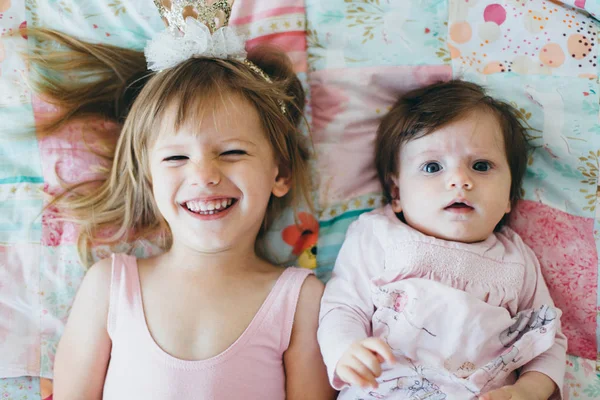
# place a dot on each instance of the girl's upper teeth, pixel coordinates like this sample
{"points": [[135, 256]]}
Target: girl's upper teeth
{"points": [[208, 205]]}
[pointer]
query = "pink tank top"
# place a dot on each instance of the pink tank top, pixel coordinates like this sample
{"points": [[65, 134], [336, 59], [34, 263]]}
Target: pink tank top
{"points": [[251, 368]]}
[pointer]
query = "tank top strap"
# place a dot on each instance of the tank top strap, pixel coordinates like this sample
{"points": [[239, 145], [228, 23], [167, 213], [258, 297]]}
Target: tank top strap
{"points": [[125, 300], [284, 298]]}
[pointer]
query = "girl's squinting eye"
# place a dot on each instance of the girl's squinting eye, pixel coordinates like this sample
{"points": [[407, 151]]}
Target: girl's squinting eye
{"points": [[432, 167], [482, 166], [175, 158], [234, 153]]}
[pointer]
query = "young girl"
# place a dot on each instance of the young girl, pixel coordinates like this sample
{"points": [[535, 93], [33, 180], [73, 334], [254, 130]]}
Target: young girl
{"points": [[208, 154], [432, 297]]}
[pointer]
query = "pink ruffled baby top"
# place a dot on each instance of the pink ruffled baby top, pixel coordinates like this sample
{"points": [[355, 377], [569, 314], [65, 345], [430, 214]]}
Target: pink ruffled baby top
{"points": [[460, 318]]}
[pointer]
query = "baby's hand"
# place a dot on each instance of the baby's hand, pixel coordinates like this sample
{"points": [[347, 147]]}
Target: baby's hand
{"points": [[361, 363], [510, 392]]}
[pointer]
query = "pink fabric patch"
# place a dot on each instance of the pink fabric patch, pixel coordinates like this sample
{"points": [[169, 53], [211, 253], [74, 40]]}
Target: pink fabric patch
{"points": [[328, 101], [249, 10], [54, 231], [275, 12], [347, 107], [19, 310], [565, 247], [294, 42], [70, 156]]}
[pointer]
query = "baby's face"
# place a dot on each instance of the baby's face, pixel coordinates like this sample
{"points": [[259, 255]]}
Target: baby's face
{"points": [[454, 183]]}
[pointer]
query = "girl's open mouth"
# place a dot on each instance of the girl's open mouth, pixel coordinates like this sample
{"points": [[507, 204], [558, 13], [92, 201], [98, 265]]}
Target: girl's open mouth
{"points": [[209, 207]]}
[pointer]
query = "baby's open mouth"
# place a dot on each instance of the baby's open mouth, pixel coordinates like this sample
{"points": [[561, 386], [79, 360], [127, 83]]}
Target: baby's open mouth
{"points": [[459, 205]]}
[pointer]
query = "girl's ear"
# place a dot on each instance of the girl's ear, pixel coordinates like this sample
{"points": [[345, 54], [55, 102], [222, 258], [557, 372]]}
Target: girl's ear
{"points": [[283, 182], [395, 193]]}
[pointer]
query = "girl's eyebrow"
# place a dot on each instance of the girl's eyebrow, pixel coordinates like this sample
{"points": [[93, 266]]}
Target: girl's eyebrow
{"points": [[240, 140], [169, 147]]}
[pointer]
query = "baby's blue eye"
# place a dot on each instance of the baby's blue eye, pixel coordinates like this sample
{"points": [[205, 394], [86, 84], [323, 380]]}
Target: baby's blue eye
{"points": [[432, 167], [482, 166]]}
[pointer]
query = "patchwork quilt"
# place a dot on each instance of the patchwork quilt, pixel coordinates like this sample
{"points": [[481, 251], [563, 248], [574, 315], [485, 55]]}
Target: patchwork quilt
{"points": [[354, 57]]}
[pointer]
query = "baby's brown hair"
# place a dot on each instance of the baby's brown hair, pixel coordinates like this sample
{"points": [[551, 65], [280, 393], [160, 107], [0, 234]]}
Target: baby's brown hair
{"points": [[427, 109]]}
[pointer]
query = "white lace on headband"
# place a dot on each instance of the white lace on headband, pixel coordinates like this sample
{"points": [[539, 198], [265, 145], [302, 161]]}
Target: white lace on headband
{"points": [[168, 49], [195, 29]]}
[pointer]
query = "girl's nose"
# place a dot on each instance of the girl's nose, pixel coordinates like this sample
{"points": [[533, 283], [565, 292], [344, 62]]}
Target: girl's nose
{"points": [[205, 172]]}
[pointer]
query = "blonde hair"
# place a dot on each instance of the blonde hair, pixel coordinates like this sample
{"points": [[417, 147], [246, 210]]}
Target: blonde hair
{"points": [[123, 204]]}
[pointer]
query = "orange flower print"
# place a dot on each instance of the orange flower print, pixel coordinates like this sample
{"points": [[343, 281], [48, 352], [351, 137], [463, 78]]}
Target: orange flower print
{"points": [[46, 389], [303, 239]]}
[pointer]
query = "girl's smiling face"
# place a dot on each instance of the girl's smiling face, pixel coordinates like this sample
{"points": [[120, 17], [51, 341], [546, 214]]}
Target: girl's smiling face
{"points": [[212, 182]]}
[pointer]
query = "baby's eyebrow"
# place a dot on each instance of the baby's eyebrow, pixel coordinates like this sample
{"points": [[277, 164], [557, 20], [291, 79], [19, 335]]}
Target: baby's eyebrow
{"points": [[423, 154], [476, 153]]}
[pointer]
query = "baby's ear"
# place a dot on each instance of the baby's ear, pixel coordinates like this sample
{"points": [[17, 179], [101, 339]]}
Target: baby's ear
{"points": [[395, 193]]}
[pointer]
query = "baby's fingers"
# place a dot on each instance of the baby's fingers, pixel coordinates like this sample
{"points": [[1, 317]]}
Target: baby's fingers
{"points": [[358, 375], [369, 359], [380, 348], [498, 394]]}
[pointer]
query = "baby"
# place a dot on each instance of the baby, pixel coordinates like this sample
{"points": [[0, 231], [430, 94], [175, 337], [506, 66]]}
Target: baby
{"points": [[432, 296]]}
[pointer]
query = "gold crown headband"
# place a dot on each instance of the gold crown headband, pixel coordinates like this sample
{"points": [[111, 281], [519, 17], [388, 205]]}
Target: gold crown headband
{"points": [[194, 29], [213, 16]]}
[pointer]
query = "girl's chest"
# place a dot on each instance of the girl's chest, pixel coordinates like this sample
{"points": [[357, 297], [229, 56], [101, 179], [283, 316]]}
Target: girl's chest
{"points": [[192, 324]]}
